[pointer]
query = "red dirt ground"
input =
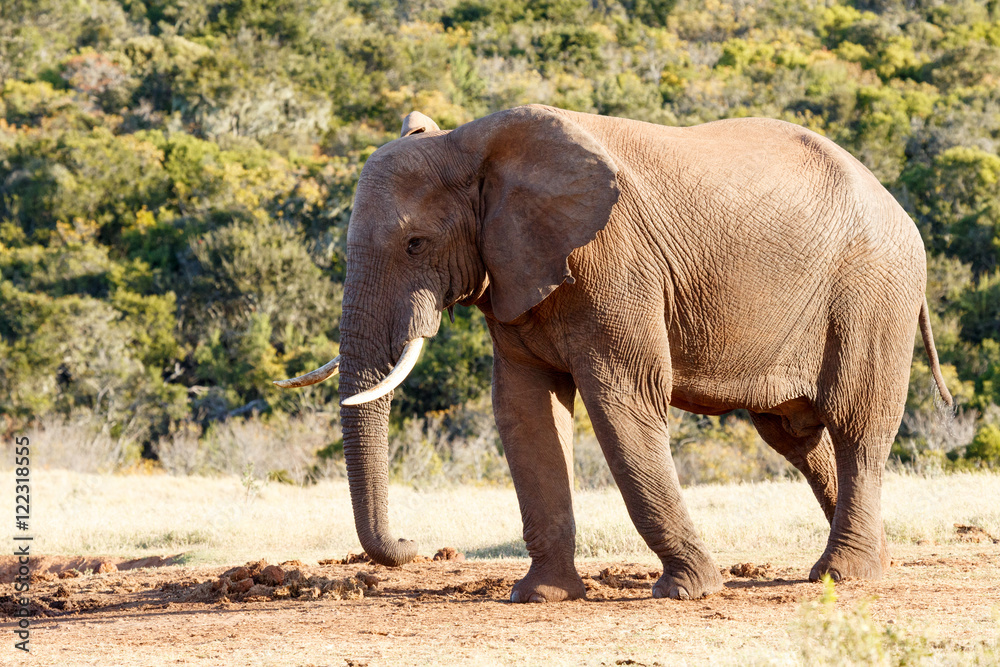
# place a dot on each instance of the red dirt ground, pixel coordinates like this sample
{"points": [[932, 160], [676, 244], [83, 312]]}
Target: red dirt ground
{"points": [[456, 611]]}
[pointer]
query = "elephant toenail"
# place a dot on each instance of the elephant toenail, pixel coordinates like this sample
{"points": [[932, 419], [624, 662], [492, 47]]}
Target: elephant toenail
{"points": [[537, 598]]}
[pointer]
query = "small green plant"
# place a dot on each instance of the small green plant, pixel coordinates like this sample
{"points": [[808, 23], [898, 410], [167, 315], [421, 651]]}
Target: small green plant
{"points": [[829, 635], [251, 484]]}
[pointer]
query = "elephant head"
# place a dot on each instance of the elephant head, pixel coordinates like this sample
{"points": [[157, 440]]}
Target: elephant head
{"points": [[484, 214]]}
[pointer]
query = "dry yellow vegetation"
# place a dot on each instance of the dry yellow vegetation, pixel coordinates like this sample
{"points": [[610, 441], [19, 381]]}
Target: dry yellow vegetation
{"points": [[225, 519]]}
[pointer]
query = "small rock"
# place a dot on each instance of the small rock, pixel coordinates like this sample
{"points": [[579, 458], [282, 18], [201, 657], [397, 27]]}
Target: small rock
{"points": [[257, 567], [260, 591], [448, 553], [344, 589], [611, 576], [242, 586], [107, 567], [751, 571], [369, 580], [310, 593], [62, 592], [974, 534], [272, 575], [351, 559]]}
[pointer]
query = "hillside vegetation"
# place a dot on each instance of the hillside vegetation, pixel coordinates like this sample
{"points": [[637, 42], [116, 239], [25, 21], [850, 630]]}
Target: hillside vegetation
{"points": [[176, 179]]}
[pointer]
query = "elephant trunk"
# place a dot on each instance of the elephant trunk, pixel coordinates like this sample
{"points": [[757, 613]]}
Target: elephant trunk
{"points": [[366, 449]]}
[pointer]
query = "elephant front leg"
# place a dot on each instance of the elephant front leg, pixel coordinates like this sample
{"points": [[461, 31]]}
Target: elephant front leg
{"points": [[534, 414], [629, 420]]}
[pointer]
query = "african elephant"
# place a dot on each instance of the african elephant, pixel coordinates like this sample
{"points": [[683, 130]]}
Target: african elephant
{"points": [[744, 263]]}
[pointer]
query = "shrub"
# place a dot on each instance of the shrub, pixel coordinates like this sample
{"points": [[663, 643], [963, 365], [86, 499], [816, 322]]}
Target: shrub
{"points": [[276, 448], [710, 450], [985, 446], [176, 180], [455, 446], [828, 635]]}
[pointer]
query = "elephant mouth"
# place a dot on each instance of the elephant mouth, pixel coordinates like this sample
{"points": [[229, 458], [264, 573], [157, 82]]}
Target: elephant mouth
{"points": [[407, 360]]}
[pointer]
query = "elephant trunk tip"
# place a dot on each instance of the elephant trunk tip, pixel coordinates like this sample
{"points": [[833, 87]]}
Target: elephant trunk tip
{"points": [[390, 553]]}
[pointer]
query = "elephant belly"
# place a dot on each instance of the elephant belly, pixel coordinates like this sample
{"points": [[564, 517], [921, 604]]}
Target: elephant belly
{"points": [[763, 393], [686, 405], [754, 352]]}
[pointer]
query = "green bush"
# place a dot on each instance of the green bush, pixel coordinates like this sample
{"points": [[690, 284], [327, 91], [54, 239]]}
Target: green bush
{"points": [[985, 446], [176, 180]]}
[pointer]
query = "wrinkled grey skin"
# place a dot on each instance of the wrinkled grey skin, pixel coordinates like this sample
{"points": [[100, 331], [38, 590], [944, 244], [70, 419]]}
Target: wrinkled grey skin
{"points": [[739, 264]]}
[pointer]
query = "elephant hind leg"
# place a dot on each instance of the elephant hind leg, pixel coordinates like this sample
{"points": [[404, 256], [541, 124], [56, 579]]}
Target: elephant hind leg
{"points": [[811, 451], [861, 401], [857, 547], [809, 448]]}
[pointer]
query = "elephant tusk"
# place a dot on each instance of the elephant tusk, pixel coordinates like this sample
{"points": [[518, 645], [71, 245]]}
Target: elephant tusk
{"points": [[407, 360], [313, 377]]}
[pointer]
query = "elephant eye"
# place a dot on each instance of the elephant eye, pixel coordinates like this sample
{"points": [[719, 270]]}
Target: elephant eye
{"points": [[414, 245]]}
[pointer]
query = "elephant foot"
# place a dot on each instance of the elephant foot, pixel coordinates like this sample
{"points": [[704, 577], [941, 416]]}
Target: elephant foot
{"points": [[843, 564], [542, 586], [884, 556], [686, 582]]}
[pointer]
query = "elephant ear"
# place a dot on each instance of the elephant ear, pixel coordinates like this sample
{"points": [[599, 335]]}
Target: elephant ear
{"points": [[415, 123], [546, 188]]}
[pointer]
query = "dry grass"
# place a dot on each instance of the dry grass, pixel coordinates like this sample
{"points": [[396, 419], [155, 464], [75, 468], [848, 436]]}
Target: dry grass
{"points": [[450, 448], [228, 519], [280, 447]]}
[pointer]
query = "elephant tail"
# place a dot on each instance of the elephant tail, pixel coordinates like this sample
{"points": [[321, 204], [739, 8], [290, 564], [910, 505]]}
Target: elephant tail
{"points": [[928, 336]]}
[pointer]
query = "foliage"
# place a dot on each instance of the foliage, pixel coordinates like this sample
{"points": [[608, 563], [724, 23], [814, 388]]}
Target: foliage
{"points": [[280, 448], [711, 450], [832, 635], [176, 178], [985, 446]]}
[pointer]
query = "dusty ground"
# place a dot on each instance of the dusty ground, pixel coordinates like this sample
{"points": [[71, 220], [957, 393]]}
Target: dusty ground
{"points": [[941, 529], [456, 611]]}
